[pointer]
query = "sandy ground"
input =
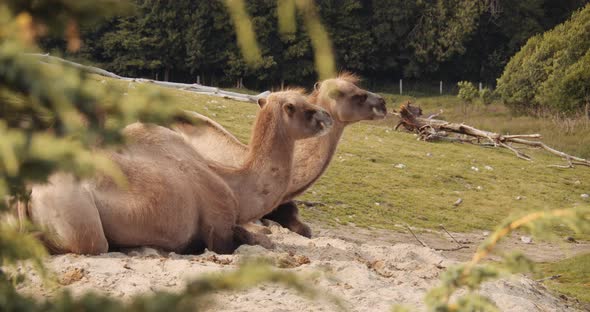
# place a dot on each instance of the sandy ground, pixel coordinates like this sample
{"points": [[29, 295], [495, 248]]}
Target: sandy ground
{"points": [[369, 270]]}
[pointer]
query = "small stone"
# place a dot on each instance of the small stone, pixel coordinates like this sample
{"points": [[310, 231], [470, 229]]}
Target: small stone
{"points": [[400, 166], [479, 188], [526, 239], [489, 168], [474, 168], [570, 239], [577, 182], [585, 196], [485, 233], [72, 276], [518, 197], [377, 204], [428, 154], [458, 202]]}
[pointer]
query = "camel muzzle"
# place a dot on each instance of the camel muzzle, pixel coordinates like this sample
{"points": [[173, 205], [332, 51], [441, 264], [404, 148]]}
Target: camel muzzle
{"points": [[378, 106]]}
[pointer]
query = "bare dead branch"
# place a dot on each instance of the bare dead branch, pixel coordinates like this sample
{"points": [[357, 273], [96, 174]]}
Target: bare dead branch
{"points": [[430, 129], [549, 278], [416, 237]]}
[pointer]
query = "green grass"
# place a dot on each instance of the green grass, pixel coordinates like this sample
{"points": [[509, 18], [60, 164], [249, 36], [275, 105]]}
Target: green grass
{"points": [[363, 186], [575, 276]]}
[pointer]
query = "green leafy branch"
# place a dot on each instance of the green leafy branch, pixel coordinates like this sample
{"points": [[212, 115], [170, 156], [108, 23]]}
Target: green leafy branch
{"points": [[471, 274]]}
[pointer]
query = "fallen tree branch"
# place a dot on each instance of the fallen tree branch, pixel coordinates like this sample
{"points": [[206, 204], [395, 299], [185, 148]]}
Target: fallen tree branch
{"points": [[459, 247], [549, 278], [416, 237], [429, 129], [194, 87]]}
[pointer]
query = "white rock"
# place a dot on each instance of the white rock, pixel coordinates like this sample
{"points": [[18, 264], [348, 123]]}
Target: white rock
{"points": [[428, 154], [526, 239], [479, 188], [489, 168], [475, 169], [518, 197], [485, 233], [400, 166], [577, 182], [458, 202], [584, 196]]}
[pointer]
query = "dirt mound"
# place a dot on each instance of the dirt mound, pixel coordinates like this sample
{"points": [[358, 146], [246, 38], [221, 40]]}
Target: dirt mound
{"points": [[368, 276]]}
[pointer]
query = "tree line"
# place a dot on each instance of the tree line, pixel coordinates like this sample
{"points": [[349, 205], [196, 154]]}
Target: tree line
{"points": [[382, 40]]}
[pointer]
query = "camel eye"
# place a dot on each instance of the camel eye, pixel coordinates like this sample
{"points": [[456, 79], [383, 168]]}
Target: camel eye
{"points": [[289, 109], [359, 98]]}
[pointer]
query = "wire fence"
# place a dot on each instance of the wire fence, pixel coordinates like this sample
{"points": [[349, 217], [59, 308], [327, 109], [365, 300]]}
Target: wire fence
{"points": [[411, 87]]}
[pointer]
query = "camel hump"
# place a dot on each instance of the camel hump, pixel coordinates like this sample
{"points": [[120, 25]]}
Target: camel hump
{"points": [[210, 140]]}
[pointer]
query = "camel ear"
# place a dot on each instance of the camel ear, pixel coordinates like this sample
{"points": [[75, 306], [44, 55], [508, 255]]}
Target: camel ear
{"points": [[317, 85], [334, 93], [261, 102], [289, 109]]}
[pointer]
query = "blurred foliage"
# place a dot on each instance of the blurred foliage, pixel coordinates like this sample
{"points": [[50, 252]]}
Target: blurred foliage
{"points": [[53, 117], [472, 274], [551, 71], [195, 297]]}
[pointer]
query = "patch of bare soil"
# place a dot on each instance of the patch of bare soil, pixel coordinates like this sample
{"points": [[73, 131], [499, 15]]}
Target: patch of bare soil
{"points": [[448, 243], [369, 270]]}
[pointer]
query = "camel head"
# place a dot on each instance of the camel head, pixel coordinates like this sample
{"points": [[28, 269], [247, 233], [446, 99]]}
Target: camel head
{"points": [[300, 118], [346, 101]]}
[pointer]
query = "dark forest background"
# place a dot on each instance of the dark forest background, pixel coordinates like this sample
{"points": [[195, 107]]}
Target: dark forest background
{"points": [[382, 40]]}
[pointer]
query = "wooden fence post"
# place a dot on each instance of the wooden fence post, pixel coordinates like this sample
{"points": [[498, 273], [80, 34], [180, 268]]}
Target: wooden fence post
{"points": [[401, 91]]}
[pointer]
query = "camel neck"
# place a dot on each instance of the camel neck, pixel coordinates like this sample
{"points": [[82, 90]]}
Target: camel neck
{"points": [[261, 182], [311, 158]]}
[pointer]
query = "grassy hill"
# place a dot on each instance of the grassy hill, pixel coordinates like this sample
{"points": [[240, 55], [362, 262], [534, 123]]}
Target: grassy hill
{"points": [[366, 185]]}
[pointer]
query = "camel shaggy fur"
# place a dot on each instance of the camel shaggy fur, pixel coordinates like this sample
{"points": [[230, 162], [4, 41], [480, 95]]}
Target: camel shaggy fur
{"points": [[340, 96], [175, 198]]}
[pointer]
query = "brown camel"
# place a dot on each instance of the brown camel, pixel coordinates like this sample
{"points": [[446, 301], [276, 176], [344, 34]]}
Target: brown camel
{"points": [[341, 97], [175, 198]]}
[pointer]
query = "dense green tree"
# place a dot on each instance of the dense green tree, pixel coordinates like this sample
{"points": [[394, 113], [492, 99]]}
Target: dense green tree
{"points": [[549, 71], [501, 32], [426, 40]]}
